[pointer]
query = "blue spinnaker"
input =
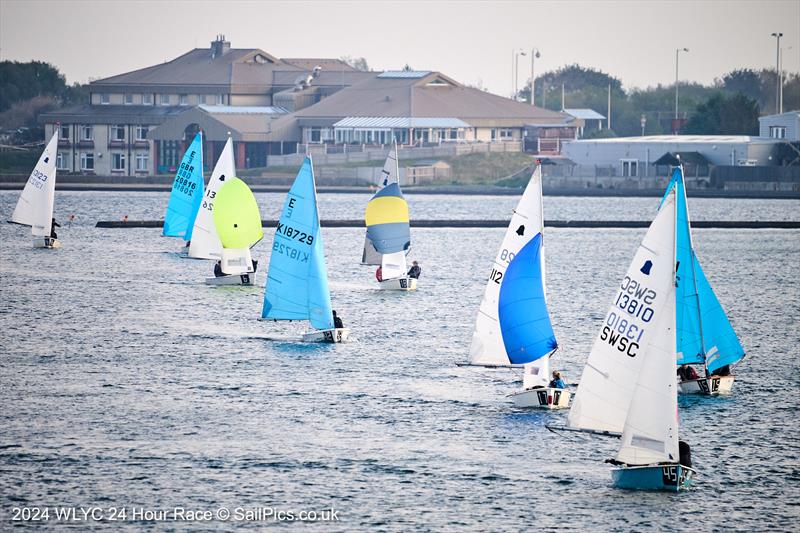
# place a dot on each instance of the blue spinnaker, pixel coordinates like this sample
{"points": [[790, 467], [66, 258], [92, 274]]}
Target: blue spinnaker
{"points": [[522, 309], [297, 281], [187, 193], [704, 333]]}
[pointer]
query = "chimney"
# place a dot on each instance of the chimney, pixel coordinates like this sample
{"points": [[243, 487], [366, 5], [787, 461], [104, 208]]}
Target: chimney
{"points": [[219, 47]]}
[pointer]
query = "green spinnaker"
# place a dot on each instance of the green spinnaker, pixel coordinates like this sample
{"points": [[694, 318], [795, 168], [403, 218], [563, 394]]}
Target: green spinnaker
{"points": [[236, 215]]}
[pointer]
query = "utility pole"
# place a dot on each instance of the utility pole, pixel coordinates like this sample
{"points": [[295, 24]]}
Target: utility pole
{"points": [[534, 54], [677, 51], [609, 107], [778, 81]]}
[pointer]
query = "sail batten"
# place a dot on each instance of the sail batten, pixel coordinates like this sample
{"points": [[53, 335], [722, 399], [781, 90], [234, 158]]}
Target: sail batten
{"points": [[187, 193]]}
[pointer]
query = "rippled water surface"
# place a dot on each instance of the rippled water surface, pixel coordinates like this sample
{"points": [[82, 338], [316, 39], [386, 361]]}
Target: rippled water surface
{"points": [[126, 381]]}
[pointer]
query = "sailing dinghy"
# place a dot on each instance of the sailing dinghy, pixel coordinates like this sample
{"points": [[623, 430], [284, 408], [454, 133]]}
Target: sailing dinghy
{"points": [[388, 238], [206, 243], [187, 194], [628, 387], [297, 281], [705, 335], [35, 205], [238, 223]]}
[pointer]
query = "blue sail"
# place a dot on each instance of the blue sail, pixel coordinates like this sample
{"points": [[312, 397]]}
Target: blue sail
{"points": [[522, 309], [704, 333], [187, 193], [297, 281]]}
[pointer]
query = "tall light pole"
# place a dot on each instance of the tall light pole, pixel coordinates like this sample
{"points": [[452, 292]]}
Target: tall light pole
{"points": [[777, 70], [677, 51], [534, 55], [517, 53]]}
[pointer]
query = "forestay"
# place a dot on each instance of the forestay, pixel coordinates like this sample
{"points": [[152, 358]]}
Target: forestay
{"points": [[35, 205], [297, 282], [629, 331], [237, 220], [704, 332], [187, 193], [488, 339], [205, 240]]}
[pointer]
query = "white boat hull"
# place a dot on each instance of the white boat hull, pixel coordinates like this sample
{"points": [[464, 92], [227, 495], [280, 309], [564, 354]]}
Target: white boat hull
{"points": [[710, 386], [398, 284], [46, 242], [231, 279], [542, 398], [327, 335]]}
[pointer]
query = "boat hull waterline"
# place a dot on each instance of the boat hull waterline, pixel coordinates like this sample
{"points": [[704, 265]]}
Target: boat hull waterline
{"points": [[542, 398], [673, 477], [398, 284], [711, 386], [336, 335], [231, 280], [46, 242]]}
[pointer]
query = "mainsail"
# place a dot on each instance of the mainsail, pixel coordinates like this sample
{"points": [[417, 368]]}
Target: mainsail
{"points": [[35, 205], [632, 332], [513, 324], [704, 332], [238, 222], [297, 282], [205, 241], [388, 229], [187, 193]]}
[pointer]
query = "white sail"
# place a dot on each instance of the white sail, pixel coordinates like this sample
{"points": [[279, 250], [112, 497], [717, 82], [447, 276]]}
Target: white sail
{"points": [[35, 205], [393, 265], [205, 240], [632, 328], [487, 346], [236, 261], [536, 374]]}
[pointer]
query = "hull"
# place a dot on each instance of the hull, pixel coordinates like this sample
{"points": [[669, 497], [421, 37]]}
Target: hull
{"points": [[711, 386], [672, 477], [233, 279], [327, 335], [46, 242], [542, 398], [398, 284]]}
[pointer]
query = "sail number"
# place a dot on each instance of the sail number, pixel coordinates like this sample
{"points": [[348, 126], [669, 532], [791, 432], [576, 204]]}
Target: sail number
{"points": [[634, 307], [182, 182], [295, 234], [506, 256], [38, 179], [206, 203], [495, 275]]}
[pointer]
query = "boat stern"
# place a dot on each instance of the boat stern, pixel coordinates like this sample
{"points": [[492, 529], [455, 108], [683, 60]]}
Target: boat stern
{"points": [[710, 386], [398, 284], [336, 335], [542, 398], [668, 477]]}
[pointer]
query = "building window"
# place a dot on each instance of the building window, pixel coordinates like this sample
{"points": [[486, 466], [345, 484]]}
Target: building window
{"points": [[164, 99], [63, 132], [61, 161], [220, 99], [87, 161], [183, 99], [314, 135], [87, 133], [118, 162], [777, 132], [142, 162], [506, 134], [147, 99], [630, 168], [104, 98], [128, 99], [117, 132], [141, 132]]}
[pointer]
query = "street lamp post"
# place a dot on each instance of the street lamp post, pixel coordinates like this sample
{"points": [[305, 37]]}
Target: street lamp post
{"points": [[677, 51], [534, 55], [517, 53], [778, 83]]}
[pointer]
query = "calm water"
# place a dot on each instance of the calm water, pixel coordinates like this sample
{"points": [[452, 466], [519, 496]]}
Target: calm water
{"points": [[124, 381]]}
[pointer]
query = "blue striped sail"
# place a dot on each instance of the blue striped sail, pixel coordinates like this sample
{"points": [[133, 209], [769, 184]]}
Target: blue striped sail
{"points": [[187, 193], [704, 332], [387, 221], [522, 307], [297, 281]]}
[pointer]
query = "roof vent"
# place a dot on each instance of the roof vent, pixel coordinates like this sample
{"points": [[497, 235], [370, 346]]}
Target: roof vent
{"points": [[219, 46]]}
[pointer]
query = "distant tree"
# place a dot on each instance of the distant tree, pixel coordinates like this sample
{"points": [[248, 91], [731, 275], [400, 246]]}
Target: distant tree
{"points": [[746, 81], [724, 115], [358, 63], [407, 68], [605, 133], [22, 81]]}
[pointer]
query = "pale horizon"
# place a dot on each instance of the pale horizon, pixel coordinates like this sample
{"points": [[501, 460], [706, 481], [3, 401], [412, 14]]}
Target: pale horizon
{"points": [[470, 41]]}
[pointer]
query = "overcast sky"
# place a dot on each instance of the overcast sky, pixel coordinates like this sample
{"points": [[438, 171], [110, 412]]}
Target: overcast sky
{"points": [[472, 41]]}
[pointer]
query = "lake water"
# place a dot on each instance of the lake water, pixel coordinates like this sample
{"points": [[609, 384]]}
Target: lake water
{"points": [[126, 382]]}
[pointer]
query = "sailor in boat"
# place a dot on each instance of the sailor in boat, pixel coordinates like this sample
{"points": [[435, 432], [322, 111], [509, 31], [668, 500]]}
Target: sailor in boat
{"points": [[379, 274], [337, 322], [557, 382], [218, 269], [722, 371], [53, 226], [414, 271], [685, 454], [687, 373]]}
